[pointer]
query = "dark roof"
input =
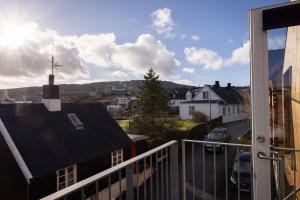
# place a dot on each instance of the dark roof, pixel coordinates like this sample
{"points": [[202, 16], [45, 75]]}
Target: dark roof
{"points": [[204, 101], [229, 95], [180, 93], [48, 141]]}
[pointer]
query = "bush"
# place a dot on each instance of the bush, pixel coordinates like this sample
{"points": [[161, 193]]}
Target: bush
{"points": [[199, 117]]}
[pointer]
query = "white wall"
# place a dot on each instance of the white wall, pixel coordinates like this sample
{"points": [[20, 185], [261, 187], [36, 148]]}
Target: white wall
{"points": [[232, 116], [203, 107], [216, 111], [176, 102], [213, 95]]}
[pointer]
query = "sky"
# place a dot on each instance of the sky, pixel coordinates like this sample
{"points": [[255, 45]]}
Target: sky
{"points": [[190, 42]]}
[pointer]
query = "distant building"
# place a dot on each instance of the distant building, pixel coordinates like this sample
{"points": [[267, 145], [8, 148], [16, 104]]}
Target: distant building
{"points": [[214, 101], [119, 91]]}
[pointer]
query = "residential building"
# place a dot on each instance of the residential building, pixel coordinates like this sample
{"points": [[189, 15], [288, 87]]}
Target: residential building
{"points": [[214, 101], [48, 146], [178, 95]]}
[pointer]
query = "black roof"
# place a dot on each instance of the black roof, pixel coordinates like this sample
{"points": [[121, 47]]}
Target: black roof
{"points": [[178, 93], [48, 141], [204, 101], [229, 95]]}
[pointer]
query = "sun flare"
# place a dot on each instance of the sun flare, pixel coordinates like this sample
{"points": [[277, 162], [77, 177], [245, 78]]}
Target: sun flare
{"points": [[13, 34]]}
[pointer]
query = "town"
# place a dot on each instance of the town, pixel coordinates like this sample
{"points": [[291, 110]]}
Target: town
{"points": [[132, 100]]}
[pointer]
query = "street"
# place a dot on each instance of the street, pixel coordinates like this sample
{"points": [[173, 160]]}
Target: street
{"points": [[236, 130]]}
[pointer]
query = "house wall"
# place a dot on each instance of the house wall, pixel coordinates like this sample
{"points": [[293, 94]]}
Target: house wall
{"points": [[47, 184], [213, 95], [176, 102], [13, 184], [203, 107], [232, 116]]}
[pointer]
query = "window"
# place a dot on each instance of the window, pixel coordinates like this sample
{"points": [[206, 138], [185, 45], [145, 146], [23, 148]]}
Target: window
{"points": [[224, 111], [205, 95], [116, 157], [191, 110], [228, 110], [238, 109], [233, 109], [66, 177], [75, 121]]}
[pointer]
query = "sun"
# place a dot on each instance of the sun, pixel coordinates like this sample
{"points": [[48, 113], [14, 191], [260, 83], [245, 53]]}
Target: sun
{"points": [[13, 34]]}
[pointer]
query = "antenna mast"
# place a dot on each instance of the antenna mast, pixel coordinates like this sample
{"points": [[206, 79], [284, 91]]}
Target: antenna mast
{"points": [[54, 65]]}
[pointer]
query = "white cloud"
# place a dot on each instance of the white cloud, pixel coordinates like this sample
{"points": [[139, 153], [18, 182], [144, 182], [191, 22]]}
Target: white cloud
{"points": [[144, 53], [188, 70], [206, 57], [30, 63], [178, 79], [276, 42], [195, 38], [210, 59], [231, 41], [162, 22], [240, 55], [85, 81], [119, 74], [32, 59], [183, 36]]}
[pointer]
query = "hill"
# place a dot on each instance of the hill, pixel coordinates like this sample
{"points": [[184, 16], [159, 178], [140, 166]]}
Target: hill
{"points": [[73, 92]]}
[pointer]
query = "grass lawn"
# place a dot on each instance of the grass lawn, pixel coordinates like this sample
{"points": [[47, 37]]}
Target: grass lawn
{"points": [[184, 125], [124, 124], [180, 125]]}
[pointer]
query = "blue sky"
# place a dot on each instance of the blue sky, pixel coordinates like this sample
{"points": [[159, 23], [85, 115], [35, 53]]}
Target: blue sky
{"points": [[193, 42]]}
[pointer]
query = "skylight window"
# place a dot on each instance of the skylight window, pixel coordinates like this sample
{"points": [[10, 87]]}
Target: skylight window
{"points": [[75, 121]]}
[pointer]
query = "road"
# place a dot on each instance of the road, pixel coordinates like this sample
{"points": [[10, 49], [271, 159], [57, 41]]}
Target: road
{"points": [[236, 130]]}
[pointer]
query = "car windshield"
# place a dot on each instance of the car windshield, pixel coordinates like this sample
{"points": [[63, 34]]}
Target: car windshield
{"points": [[214, 136]]}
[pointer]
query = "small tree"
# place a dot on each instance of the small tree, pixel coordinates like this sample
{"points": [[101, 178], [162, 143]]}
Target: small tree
{"points": [[151, 106], [199, 117]]}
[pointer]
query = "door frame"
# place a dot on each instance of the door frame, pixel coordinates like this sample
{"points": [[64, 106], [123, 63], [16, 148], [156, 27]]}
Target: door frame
{"points": [[260, 22]]}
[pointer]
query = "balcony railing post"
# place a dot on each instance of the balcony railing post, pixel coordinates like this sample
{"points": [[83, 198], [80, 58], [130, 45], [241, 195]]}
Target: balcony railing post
{"points": [[174, 165], [129, 182]]}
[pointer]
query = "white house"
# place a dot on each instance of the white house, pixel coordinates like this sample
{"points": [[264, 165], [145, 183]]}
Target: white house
{"points": [[179, 95], [214, 101]]}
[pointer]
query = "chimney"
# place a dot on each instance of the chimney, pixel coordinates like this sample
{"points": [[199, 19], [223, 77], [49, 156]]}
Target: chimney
{"points": [[51, 95], [217, 84], [229, 85]]}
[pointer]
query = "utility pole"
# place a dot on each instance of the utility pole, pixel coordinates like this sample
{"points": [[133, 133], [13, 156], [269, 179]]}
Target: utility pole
{"points": [[209, 108]]}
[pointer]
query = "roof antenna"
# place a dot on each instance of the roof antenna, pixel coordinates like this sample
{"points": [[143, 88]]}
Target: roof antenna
{"points": [[54, 65]]}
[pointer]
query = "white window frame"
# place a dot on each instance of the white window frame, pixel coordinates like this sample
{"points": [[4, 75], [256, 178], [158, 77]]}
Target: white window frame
{"points": [[77, 123], [117, 157], [65, 173], [205, 96], [191, 110]]}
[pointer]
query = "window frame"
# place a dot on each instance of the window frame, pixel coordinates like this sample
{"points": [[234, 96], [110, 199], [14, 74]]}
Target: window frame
{"points": [[205, 95], [65, 175], [191, 110], [77, 123], [117, 158]]}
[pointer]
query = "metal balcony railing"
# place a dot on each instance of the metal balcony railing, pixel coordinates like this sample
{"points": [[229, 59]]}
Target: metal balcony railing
{"points": [[208, 170], [151, 175], [213, 170]]}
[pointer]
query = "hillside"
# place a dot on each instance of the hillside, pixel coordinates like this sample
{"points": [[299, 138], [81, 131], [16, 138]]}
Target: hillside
{"points": [[79, 91]]}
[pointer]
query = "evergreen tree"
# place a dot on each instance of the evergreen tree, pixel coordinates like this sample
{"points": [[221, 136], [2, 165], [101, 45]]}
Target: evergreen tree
{"points": [[152, 105]]}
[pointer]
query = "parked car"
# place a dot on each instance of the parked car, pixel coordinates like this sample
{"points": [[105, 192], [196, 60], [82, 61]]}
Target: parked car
{"points": [[242, 168], [217, 135]]}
